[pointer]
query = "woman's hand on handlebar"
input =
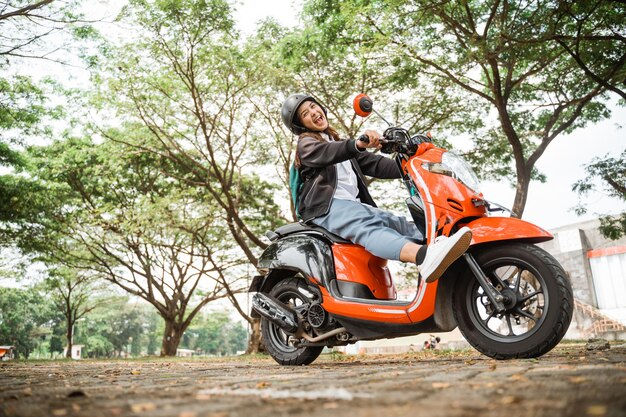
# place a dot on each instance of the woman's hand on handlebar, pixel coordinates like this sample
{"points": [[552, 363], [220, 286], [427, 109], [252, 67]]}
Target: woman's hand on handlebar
{"points": [[370, 139]]}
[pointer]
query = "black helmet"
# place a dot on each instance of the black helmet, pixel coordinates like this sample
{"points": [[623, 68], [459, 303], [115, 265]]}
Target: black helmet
{"points": [[290, 106]]}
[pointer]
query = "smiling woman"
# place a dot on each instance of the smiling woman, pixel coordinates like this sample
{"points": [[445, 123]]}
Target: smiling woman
{"points": [[335, 195], [312, 116]]}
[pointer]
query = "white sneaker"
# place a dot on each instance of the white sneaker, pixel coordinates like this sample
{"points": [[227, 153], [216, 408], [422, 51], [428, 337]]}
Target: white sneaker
{"points": [[443, 252]]}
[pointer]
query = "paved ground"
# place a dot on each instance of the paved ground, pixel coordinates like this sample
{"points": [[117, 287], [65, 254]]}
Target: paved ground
{"points": [[570, 381]]}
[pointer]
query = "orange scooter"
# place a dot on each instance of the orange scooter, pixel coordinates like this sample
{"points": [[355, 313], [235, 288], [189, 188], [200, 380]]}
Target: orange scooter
{"points": [[508, 297]]}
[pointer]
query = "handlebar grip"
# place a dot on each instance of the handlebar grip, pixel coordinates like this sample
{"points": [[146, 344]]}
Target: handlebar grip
{"points": [[364, 138]]}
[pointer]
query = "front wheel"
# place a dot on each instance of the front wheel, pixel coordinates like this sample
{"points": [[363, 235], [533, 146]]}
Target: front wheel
{"points": [[279, 344], [538, 301]]}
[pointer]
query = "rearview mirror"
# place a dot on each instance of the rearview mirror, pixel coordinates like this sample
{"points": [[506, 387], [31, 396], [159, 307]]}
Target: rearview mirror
{"points": [[362, 105]]}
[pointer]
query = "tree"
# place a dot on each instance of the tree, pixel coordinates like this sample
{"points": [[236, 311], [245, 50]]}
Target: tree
{"points": [[121, 327], [26, 26], [111, 213], [188, 92], [612, 172], [512, 55], [74, 293], [215, 334], [56, 341], [183, 82], [30, 31], [598, 44], [22, 311], [334, 63]]}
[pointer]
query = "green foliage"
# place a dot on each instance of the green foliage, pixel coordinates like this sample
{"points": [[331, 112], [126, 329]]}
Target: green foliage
{"points": [[25, 105], [185, 101], [22, 103], [22, 311], [168, 194], [56, 344], [118, 328], [109, 210], [215, 333], [612, 174], [29, 26], [112, 330], [22, 109], [519, 59]]}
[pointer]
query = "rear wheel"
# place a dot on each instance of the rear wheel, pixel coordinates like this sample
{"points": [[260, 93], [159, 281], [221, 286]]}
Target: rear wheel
{"points": [[280, 344], [538, 301]]}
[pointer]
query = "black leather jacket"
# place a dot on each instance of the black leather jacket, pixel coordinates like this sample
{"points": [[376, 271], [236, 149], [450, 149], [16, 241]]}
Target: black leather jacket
{"points": [[317, 168]]}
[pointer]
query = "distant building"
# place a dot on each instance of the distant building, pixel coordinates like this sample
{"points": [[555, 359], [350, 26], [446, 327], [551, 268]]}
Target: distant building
{"points": [[185, 352], [7, 353], [76, 351], [596, 267]]}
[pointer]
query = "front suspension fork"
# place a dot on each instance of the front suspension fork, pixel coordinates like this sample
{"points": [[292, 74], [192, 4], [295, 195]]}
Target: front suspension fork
{"points": [[491, 292]]}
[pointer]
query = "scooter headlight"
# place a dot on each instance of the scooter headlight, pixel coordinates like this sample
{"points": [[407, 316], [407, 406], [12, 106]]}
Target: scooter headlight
{"points": [[453, 165]]}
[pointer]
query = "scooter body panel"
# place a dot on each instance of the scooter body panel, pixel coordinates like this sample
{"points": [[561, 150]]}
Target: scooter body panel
{"points": [[300, 253], [356, 266], [493, 229], [446, 200]]}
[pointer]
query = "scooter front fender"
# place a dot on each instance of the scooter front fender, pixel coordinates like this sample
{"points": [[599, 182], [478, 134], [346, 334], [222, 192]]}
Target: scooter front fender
{"points": [[493, 229]]}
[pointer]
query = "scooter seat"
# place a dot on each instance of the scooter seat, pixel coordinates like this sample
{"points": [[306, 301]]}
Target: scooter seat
{"points": [[307, 229]]}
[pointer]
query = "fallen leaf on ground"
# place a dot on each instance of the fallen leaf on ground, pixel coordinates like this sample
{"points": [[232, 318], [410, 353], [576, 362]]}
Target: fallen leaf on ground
{"points": [[510, 399], [142, 407], [596, 410]]}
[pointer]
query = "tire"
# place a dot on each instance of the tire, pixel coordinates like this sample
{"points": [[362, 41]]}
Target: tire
{"points": [[538, 310], [276, 340]]}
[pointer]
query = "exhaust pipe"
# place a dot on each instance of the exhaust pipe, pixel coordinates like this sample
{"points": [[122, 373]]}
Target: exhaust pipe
{"points": [[276, 312]]}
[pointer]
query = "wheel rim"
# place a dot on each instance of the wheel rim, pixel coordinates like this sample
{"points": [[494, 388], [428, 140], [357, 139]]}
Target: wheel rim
{"points": [[278, 337], [526, 301]]}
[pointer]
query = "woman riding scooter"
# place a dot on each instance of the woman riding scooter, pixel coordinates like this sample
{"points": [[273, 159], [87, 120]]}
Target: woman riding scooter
{"points": [[335, 195]]}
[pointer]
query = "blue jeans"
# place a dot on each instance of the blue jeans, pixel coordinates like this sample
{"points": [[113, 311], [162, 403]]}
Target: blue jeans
{"points": [[381, 233]]}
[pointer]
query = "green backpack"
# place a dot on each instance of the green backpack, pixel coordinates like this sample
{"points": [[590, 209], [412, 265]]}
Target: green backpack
{"points": [[295, 184]]}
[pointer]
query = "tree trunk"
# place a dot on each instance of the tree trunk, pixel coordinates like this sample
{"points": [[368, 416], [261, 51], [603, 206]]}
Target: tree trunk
{"points": [[70, 338], [255, 345], [521, 192], [171, 338], [522, 170]]}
